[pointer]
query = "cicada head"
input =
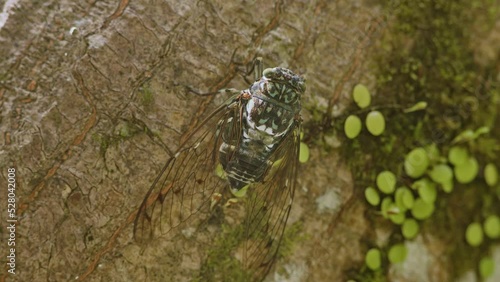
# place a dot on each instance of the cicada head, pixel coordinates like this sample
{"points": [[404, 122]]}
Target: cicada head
{"points": [[282, 86]]}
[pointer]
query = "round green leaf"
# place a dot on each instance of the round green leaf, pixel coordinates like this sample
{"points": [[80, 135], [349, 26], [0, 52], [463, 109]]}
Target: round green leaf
{"points": [[361, 96], [447, 186], [441, 173], [352, 126], [486, 267], [421, 209], [467, 171], [416, 162], [372, 196], [458, 155], [386, 182], [492, 227], [410, 228], [373, 259], [426, 190], [408, 199], [399, 196], [375, 123], [474, 234], [397, 253], [491, 174], [304, 152]]}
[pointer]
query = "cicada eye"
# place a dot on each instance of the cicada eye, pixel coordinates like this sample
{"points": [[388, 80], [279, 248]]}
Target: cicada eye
{"points": [[268, 72]]}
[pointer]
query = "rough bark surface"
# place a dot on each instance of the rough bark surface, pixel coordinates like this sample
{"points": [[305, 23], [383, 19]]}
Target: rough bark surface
{"points": [[93, 99]]}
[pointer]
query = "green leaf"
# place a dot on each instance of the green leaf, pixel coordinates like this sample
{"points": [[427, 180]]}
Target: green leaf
{"points": [[458, 155], [410, 228], [375, 123], [408, 199], [492, 227], [481, 131], [441, 173], [467, 171], [352, 126], [426, 189], [304, 152], [486, 267], [361, 96], [421, 209], [373, 259], [448, 186], [422, 105], [464, 136], [399, 197], [474, 234], [491, 174], [397, 253], [416, 162], [372, 196], [386, 182]]}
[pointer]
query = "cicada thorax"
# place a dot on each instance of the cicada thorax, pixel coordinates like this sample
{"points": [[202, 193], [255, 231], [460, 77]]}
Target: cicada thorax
{"points": [[269, 109]]}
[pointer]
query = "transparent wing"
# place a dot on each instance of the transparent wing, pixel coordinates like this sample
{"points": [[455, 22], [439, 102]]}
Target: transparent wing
{"points": [[187, 182], [268, 206]]}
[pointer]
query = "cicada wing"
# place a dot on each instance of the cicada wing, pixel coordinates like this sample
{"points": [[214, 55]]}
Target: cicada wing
{"points": [[268, 206], [186, 184]]}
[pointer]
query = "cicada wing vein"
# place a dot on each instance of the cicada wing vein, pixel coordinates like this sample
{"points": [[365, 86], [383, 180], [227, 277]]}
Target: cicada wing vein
{"points": [[268, 207], [182, 191]]}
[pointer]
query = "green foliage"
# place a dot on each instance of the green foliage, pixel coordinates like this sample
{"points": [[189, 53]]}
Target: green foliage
{"points": [[422, 209], [441, 173], [386, 182], [486, 267], [467, 171], [474, 234], [304, 152], [375, 123], [373, 259], [441, 136], [410, 228], [492, 227], [372, 196], [352, 126], [458, 155], [491, 174], [397, 253], [361, 96], [416, 162]]}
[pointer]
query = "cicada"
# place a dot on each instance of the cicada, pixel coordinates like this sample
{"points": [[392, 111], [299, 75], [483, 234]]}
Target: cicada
{"points": [[247, 148]]}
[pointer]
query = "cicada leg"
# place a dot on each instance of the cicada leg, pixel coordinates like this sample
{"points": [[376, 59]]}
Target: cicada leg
{"points": [[231, 91], [258, 68]]}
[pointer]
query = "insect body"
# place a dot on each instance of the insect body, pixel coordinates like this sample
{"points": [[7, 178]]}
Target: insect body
{"points": [[254, 137], [270, 111]]}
